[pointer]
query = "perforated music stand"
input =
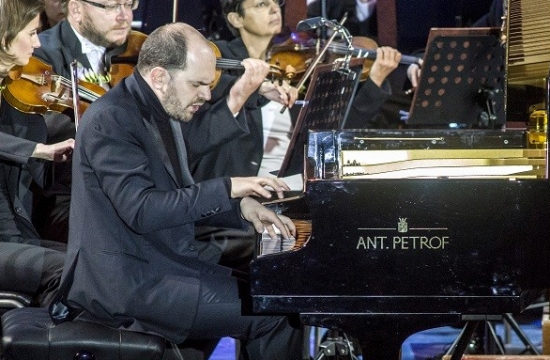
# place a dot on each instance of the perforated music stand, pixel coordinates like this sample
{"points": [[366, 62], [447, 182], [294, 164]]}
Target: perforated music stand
{"points": [[462, 80], [326, 105]]}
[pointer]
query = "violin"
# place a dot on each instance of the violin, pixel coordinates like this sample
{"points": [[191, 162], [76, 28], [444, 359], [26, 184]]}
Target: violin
{"points": [[363, 48], [231, 64], [122, 65], [298, 52], [35, 89]]}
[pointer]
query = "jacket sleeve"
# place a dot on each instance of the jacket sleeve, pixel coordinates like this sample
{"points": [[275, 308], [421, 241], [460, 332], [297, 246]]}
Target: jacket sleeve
{"points": [[214, 124], [366, 104]]}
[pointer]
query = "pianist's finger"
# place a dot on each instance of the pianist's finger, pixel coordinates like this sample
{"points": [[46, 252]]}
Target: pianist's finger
{"points": [[257, 186], [279, 225]]}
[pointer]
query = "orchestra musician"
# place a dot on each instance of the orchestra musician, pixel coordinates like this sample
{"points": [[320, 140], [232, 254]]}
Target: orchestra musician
{"points": [[28, 264], [92, 31], [262, 144], [135, 205]]}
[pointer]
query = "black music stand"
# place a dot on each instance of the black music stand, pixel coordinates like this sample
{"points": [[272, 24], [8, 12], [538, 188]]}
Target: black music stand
{"points": [[462, 80], [326, 105]]}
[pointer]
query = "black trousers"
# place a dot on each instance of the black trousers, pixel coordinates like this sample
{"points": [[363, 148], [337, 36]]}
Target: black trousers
{"points": [[224, 310], [31, 269]]}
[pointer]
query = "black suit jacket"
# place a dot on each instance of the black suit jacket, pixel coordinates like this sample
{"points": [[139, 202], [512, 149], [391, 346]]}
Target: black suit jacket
{"points": [[133, 261], [19, 172]]}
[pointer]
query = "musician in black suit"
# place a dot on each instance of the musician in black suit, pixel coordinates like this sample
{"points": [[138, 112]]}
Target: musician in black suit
{"points": [[133, 261], [27, 263]]}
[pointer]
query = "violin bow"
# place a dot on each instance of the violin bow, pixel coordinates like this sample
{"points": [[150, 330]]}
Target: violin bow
{"points": [[76, 97]]}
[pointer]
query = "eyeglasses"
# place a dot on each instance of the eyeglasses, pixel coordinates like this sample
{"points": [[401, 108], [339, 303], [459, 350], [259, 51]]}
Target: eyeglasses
{"points": [[114, 7], [265, 4]]}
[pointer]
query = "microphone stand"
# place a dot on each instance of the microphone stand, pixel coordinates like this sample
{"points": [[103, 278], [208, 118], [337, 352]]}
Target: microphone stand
{"points": [[313, 23], [323, 32]]}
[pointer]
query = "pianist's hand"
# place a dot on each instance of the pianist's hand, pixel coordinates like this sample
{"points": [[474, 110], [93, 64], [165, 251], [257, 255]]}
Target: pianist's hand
{"points": [[257, 186], [263, 218]]}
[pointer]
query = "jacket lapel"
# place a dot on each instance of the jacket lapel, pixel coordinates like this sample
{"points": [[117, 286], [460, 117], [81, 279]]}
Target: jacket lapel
{"points": [[155, 135], [182, 152], [72, 49]]}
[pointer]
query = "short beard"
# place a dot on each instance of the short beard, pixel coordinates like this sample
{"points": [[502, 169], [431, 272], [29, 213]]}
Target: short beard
{"points": [[95, 36], [173, 106]]}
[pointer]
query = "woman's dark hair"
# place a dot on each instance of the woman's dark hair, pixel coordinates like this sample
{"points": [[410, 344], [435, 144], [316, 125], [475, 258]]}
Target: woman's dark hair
{"points": [[229, 6]]}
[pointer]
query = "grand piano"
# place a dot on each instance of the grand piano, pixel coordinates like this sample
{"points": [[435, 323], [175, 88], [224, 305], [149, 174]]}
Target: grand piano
{"points": [[410, 230]]}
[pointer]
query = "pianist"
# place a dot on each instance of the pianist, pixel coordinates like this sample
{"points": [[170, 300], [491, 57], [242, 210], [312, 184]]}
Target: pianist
{"points": [[133, 261]]}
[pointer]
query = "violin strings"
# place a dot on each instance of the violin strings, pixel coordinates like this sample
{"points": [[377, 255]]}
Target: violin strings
{"points": [[360, 52], [229, 63], [84, 92], [235, 64]]}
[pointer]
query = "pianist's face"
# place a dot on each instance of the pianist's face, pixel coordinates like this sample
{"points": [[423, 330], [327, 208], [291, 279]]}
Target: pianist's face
{"points": [[258, 18]]}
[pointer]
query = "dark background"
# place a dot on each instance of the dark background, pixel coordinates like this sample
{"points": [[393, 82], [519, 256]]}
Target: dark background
{"points": [[414, 17]]}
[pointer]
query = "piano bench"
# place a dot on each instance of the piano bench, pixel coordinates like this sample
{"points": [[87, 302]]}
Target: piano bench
{"points": [[29, 334]]}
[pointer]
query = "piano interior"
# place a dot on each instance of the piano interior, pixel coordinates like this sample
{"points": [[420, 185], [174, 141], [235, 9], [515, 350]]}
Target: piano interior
{"points": [[418, 228]]}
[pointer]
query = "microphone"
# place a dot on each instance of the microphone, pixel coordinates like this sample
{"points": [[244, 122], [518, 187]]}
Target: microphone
{"points": [[314, 23]]}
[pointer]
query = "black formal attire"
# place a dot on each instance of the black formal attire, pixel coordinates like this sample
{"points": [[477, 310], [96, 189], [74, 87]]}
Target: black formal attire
{"points": [[27, 263], [133, 260]]}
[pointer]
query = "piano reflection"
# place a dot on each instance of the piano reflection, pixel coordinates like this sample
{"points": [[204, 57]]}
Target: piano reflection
{"points": [[410, 230]]}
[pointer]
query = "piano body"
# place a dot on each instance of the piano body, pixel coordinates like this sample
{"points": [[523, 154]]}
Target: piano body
{"points": [[419, 228], [413, 229]]}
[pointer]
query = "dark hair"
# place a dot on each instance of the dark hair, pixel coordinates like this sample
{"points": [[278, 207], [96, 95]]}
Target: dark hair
{"points": [[14, 16], [229, 6], [166, 47]]}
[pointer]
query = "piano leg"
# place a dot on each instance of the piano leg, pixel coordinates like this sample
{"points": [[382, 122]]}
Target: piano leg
{"points": [[458, 348], [380, 335]]}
